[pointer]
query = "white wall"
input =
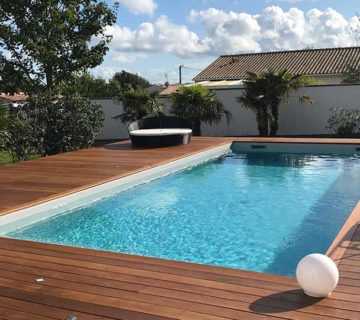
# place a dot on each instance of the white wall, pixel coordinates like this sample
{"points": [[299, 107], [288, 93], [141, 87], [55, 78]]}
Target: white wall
{"points": [[303, 119], [113, 129], [294, 119]]}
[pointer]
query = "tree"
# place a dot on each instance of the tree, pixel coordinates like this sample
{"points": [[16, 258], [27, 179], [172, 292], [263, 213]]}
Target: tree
{"points": [[46, 42], [127, 79], [252, 98], [264, 93], [91, 87], [138, 104], [197, 105]]}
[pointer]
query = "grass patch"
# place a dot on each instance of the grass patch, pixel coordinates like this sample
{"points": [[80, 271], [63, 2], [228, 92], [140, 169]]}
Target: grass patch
{"points": [[6, 158]]}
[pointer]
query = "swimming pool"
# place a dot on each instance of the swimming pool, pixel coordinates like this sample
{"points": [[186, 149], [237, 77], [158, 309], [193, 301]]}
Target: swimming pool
{"points": [[260, 211]]}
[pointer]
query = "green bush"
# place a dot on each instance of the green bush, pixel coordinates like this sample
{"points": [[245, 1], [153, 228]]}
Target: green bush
{"points": [[344, 122], [18, 137], [47, 125]]}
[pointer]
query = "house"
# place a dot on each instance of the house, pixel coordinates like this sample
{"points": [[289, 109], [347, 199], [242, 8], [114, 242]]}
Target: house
{"points": [[226, 74], [13, 98], [327, 66]]}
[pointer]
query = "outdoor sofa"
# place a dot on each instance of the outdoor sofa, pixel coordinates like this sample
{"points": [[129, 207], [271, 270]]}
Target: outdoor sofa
{"points": [[160, 132]]}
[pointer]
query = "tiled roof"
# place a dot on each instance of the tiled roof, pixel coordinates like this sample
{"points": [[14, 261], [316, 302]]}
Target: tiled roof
{"points": [[15, 97], [305, 62], [169, 90]]}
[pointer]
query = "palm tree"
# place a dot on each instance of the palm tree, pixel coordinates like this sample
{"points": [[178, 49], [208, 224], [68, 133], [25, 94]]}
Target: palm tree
{"points": [[138, 104], [253, 99], [197, 105], [264, 93]]}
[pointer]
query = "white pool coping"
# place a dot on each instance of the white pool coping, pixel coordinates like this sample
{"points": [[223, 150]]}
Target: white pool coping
{"points": [[28, 216]]}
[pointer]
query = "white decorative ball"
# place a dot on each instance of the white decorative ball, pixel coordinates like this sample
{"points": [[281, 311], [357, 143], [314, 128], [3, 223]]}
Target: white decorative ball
{"points": [[317, 275]]}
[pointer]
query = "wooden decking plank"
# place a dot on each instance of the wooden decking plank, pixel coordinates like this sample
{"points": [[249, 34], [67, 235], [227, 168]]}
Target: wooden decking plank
{"points": [[215, 301], [81, 269], [342, 305], [156, 265], [159, 307], [6, 313], [78, 307], [45, 310], [209, 279], [142, 265]]}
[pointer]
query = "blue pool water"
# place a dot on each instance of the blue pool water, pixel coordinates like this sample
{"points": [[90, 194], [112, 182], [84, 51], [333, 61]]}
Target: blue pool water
{"points": [[254, 211]]}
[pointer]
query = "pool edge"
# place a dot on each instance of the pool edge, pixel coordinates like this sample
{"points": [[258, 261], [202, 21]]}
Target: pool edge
{"points": [[342, 240]]}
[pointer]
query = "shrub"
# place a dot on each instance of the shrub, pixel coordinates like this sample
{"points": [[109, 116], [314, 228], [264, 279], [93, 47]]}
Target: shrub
{"points": [[48, 125], [344, 122], [18, 138], [65, 124]]}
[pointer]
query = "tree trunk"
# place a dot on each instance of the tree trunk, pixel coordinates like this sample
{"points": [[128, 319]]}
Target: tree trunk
{"points": [[196, 128], [263, 123], [274, 122], [49, 78]]}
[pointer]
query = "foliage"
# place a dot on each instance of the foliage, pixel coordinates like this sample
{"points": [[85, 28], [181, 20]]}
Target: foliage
{"points": [[48, 41], [18, 138], [352, 75], [264, 93], [92, 87], [138, 104], [130, 80], [4, 115], [46, 125], [66, 124], [344, 122], [5, 157], [198, 104], [89, 86]]}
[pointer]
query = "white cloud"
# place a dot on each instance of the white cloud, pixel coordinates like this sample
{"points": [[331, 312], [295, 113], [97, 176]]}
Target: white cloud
{"points": [[233, 32], [229, 32], [162, 36], [147, 7], [178, 39]]}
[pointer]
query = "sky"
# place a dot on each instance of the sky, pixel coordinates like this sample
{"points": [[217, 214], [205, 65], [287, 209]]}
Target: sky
{"points": [[153, 37]]}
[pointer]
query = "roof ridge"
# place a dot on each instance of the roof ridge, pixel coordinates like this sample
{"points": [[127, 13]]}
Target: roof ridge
{"points": [[306, 61], [287, 51]]}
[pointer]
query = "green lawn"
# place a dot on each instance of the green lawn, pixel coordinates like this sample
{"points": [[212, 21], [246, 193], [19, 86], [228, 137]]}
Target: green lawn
{"points": [[5, 157]]}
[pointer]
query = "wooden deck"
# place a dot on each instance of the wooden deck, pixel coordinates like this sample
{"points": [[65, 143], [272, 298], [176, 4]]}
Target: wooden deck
{"points": [[44, 281]]}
